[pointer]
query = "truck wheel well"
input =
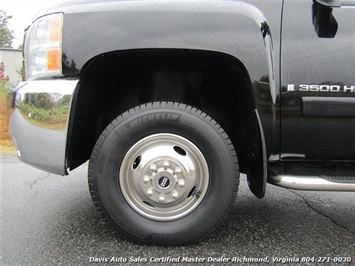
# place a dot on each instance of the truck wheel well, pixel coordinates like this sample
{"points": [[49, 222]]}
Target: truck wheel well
{"points": [[110, 84]]}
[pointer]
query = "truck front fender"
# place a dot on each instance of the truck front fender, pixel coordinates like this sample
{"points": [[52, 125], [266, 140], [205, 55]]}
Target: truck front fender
{"points": [[234, 28]]}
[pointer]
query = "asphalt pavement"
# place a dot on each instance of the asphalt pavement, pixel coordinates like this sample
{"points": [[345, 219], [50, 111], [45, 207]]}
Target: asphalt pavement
{"points": [[50, 220]]}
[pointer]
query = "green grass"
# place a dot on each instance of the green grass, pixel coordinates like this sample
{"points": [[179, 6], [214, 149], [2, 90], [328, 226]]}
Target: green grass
{"points": [[6, 145]]}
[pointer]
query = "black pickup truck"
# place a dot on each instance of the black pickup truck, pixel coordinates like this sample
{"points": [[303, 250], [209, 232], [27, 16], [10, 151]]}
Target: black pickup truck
{"points": [[172, 100]]}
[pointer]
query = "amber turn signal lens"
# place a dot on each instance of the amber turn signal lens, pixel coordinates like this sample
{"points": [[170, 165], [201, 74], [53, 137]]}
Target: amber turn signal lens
{"points": [[53, 60]]}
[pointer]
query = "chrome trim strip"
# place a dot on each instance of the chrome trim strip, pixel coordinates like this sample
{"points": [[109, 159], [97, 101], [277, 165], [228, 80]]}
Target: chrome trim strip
{"points": [[309, 183], [39, 122], [347, 3], [330, 3], [337, 3]]}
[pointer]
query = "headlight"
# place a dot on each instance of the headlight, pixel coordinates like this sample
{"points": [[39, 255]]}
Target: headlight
{"points": [[43, 47]]}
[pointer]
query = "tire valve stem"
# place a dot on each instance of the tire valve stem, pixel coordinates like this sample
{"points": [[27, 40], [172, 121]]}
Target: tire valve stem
{"points": [[196, 193]]}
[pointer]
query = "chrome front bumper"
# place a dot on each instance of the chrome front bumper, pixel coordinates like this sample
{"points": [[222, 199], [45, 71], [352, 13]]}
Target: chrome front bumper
{"points": [[39, 115]]}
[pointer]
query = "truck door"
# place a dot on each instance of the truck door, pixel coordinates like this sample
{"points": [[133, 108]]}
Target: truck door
{"points": [[318, 80]]}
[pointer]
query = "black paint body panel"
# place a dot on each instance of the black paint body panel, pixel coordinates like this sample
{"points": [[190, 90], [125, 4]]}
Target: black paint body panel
{"points": [[314, 49], [326, 64], [247, 32]]}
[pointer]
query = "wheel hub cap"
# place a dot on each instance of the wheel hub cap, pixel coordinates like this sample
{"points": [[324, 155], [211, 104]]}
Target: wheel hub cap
{"points": [[164, 177]]}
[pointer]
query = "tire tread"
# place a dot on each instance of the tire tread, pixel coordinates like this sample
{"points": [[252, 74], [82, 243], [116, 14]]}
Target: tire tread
{"points": [[168, 105]]}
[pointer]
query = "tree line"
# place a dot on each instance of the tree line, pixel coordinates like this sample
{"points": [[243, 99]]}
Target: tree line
{"points": [[6, 34]]}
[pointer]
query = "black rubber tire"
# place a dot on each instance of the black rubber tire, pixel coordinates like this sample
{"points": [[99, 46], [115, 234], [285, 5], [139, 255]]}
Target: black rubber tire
{"points": [[192, 124]]}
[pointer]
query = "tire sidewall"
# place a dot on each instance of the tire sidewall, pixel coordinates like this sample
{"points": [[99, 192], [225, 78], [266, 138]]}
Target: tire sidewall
{"points": [[198, 128]]}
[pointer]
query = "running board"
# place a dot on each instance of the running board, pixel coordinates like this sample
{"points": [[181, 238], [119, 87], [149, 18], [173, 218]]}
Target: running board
{"points": [[321, 183]]}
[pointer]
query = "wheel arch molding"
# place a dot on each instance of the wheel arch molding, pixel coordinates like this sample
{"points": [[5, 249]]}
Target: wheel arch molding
{"points": [[216, 83]]}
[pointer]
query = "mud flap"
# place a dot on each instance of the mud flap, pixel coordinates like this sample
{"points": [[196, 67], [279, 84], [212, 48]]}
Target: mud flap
{"points": [[257, 163]]}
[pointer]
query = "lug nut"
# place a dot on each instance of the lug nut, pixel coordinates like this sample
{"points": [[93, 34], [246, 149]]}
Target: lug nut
{"points": [[146, 179], [175, 195], [150, 192], [166, 163], [181, 182], [162, 198], [178, 170], [153, 167]]}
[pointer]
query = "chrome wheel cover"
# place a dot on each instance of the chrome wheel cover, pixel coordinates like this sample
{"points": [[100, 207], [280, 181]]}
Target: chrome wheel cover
{"points": [[164, 177]]}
